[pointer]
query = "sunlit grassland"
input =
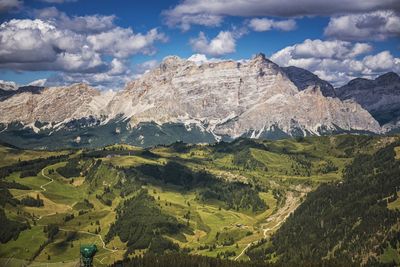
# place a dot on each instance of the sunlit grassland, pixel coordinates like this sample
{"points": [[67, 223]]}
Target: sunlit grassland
{"points": [[281, 167], [26, 244], [208, 219], [11, 155]]}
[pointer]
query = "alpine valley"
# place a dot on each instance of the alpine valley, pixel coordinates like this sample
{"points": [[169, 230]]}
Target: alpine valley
{"points": [[198, 101], [202, 163]]}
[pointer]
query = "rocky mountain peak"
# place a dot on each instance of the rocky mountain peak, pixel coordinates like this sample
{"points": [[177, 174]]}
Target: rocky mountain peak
{"points": [[388, 78], [303, 79], [224, 98], [8, 86], [359, 82], [171, 62], [381, 97], [261, 59]]}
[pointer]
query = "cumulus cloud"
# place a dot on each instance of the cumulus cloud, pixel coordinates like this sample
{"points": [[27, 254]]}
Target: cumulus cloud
{"points": [[102, 81], [224, 43], [84, 49], [38, 45], [7, 5], [114, 79], [184, 14], [382, 61], [80, 24], [329, 49], [337, 61], [122, 42], [264, 24], [145, 66], [377, 25], [184, 22], [200, 59], [89, 47]]}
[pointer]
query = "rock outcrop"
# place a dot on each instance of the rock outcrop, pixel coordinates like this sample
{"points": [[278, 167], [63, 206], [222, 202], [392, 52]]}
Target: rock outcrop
{"points": [[53, 105], [232, 98], [303, 79], [225, 98], [381, 97]]}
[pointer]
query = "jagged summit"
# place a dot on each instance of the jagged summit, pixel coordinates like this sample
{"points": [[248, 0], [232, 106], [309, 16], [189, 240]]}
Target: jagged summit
{"points": [[220, 98], [8, 86], [387, 78], [303, 79], [381, 97]]}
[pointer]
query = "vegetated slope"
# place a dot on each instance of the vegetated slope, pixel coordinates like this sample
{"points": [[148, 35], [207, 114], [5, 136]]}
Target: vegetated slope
{"points": [[347, 221], [183, 260], [142, 224], [209, 200]]}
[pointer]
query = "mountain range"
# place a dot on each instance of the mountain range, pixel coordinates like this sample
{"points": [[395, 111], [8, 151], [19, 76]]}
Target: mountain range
{"points": [[197, 102]]}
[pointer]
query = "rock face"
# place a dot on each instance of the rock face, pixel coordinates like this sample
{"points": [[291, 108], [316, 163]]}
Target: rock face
{"points": [[52, 105], [305, 113], [303, 79], [8, 86], [180, 90], [381, 97], [232, 98], [224, 99]]}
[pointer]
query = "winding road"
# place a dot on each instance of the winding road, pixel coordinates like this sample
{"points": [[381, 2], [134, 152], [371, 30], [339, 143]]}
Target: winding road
{"points": [[70, 207], [47, 177], [291, 203]]}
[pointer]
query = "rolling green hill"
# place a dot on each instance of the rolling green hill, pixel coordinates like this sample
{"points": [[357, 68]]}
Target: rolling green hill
{"points": [[273, 201]]}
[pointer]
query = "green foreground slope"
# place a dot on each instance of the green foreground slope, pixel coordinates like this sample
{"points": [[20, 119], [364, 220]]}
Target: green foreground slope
{"points": [[225, 200]]}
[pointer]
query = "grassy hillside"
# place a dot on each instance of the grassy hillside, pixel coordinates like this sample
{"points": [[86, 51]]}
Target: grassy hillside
{"points": [[356, 220], [224, 200]]}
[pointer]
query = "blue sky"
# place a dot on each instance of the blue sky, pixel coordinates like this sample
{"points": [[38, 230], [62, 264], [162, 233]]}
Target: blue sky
{"points": [[66, 41]]}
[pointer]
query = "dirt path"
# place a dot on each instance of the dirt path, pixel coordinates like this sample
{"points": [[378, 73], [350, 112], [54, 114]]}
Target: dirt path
{"points": [[291, 203], [47, 177], [42, 187], [103, 244], [275, 220]]}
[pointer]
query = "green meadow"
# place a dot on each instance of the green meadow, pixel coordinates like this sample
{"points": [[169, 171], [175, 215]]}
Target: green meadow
{"points": [[269, 180]]}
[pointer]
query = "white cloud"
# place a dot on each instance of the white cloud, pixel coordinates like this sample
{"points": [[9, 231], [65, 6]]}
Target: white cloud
{"points": [[201, 59], [337, 61], [377, 25], [7, 5], [185, 13], [103, 81], [121, 42], [329, 49], [39, 45], [223, 43], [264, 24], [23, 42], [184, 22], [114, 79], [92, 47], [117, 67], [81, 24], [145, 66], [381, 62]]}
